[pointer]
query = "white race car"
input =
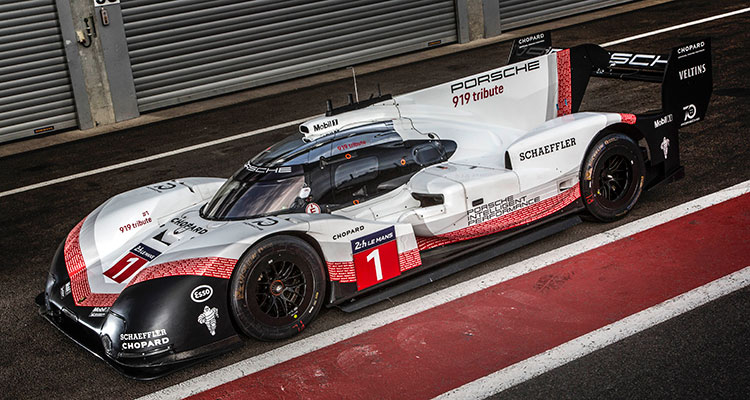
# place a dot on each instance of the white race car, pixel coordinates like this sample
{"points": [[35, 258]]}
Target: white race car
{"points": [[414, 186]]}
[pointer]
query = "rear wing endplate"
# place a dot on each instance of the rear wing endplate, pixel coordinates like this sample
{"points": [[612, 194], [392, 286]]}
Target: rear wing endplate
{"points": [[685, 73]]}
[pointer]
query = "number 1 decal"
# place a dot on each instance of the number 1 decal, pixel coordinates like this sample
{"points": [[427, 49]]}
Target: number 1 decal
{"points": [[375, 254], [131, 263], [375, 258], [125, 268]]}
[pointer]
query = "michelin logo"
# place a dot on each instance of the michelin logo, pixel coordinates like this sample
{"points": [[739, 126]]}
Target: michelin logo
{"points": [[208, 318]]}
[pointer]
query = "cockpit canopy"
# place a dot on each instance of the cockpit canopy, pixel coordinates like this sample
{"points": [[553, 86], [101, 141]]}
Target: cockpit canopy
{"points": [[335, 171], [250, 192]]}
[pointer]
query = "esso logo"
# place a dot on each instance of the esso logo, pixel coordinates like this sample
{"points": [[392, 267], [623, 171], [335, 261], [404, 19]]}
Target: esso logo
{"points": [[201, 293]]}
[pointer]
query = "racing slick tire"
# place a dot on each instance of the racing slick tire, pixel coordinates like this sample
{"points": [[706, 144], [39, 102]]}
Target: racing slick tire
{"points": [[277, 288], [612, 177]]}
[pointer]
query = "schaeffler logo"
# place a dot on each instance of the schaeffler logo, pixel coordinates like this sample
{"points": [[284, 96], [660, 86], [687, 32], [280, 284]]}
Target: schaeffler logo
{"points": [[665, 147]]}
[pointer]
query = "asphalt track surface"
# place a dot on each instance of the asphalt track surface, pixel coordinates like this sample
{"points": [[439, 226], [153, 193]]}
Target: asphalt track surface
{"points": [[702, 354]]}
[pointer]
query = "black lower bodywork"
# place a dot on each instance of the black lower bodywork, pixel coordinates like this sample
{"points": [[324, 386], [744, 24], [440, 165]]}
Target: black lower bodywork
{"points": [[160, 309]]}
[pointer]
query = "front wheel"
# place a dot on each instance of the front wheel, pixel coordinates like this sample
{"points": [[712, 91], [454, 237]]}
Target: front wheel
{"points": [[277, 288], [612, 177]]}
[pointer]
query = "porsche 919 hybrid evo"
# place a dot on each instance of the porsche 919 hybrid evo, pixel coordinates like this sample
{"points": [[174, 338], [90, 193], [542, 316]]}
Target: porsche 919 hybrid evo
{"points": [[372, 199]]}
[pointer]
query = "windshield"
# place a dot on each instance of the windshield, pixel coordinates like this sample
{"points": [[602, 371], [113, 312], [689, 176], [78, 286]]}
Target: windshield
{"points": [[251, 194], [281, 152]]}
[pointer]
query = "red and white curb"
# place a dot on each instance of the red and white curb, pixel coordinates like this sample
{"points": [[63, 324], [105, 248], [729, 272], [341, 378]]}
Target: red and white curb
{"points": [[519, 370]]}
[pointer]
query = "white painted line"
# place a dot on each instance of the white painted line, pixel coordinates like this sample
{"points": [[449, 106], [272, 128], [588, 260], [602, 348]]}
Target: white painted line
{"points": [[675, 27], [291, 123], [534, 366], [346, 331], [153, 157]]}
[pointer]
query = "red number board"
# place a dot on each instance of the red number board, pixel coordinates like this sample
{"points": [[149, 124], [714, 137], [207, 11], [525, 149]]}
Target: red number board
{"points": [[375, 258]]}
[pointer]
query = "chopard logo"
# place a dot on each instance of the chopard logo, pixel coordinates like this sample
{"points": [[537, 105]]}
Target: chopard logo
{"points": [[185, 226], [691, 47], [348, 232]]}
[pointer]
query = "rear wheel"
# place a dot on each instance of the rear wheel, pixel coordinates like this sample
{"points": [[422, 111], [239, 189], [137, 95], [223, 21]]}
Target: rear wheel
{"points": [[277, 288], [612, 177]]}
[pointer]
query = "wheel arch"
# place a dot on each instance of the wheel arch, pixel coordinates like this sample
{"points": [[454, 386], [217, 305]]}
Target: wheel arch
{"points": [[628, 130], [640, 151], [293, 233], [298, 234]]}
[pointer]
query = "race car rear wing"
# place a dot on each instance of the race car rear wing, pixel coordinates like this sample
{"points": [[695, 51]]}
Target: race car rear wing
{"points": [[685, 73], [634, 66]]}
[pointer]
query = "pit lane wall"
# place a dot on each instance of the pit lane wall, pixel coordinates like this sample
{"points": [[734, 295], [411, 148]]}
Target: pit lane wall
{"points": [[88, 63]]}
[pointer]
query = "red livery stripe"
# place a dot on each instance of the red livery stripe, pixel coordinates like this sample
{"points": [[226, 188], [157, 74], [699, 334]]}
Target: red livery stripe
{"points": [[216, 267], [513, 219], [344, 271], [564, 96], [628, 118]]}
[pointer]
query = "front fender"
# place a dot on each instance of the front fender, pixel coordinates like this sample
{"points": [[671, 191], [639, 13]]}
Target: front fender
{"points": [[166, 320]]}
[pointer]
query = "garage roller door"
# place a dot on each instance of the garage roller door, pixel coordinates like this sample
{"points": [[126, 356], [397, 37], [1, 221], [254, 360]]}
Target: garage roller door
{"points": [[517, 13], [35, 91], [182, 50]]}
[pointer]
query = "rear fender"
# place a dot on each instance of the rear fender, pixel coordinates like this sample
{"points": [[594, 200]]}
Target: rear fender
{"points": [[555, 148]]}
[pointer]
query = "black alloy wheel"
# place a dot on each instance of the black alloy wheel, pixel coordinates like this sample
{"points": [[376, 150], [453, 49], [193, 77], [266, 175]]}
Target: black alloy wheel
{"points": [[615, 179], [612, 177], [277, 288], [280, 289]]}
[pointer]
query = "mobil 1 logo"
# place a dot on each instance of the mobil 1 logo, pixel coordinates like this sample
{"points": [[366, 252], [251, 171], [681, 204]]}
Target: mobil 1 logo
{"points": [[375, 257]]}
